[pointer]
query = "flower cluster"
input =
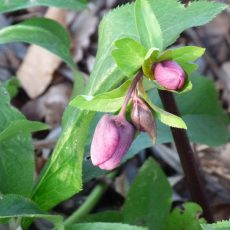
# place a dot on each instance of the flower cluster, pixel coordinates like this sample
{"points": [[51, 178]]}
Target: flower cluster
{"points": [[114, 135]]}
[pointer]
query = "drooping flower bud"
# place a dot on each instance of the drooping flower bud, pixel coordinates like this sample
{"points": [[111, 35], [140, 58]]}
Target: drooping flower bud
{"points": [[170, 75], [112, 138], [142, 118]]}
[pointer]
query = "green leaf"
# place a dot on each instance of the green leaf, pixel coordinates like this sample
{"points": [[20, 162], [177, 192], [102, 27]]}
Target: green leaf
{"points": [[62, 176], [189, 67], [12, 86], [182, 54], [129, 55], [16, 152], [15, 206], [106, 74], [105, 102], [107, 216], [104, 226], [186, 88], [201, 110], [11, 5], [220, 225], [43, 32], [188, 218], [149, 199], [147, 25], [150, 58], [21, 126], [166, 117], [197, 13]]}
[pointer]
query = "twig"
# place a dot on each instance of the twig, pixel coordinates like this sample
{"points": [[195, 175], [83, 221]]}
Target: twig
{"points": [[41, 144], [187, 158]]}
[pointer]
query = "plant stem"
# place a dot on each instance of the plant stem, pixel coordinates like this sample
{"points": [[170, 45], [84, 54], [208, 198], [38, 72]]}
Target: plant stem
{"points": [[129, 94], [187, 158], [90, 202]]}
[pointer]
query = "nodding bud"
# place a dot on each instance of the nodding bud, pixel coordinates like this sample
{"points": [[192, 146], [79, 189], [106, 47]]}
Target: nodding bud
{"points": [[142, 118], [112, 138], [170, 75]]}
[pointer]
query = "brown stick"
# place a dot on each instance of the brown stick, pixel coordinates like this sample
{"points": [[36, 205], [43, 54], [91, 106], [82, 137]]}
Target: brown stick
{"points": [[187, 158]]}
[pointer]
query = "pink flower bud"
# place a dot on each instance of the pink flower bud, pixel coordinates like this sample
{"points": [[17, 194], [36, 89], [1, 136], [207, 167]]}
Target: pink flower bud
{"points": [[170, 75], [142, 118], [112, 138]]}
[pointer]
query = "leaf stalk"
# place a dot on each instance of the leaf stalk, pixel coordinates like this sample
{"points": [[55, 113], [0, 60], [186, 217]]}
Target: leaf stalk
{"points": [[188, 161]]}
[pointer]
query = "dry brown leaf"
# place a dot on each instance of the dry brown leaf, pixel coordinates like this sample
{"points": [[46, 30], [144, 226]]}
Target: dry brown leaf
{"points": [[221, 211], [36, 71], [50, 106], [83, 26]]}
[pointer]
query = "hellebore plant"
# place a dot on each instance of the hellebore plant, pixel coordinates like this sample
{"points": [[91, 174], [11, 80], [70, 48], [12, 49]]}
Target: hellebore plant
{"points": [[114, 134], [133, 39]]}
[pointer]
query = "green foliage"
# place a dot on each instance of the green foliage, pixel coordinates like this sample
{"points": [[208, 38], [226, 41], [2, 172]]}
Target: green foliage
{"points": [[129, 55], [196, 14], [43, 32], [202, 112], [188, 217], [104, 226], [148, 27], [113, 101], [150, 58], [70, 147], [15, 206], [149, 199], [220, 225], [107, 216], [148, 204], [62, 176], [16, 152], [105, 102], [20, 126], [11, 5], [106, 74], [166, 117], [182, 54], [12, 85]]}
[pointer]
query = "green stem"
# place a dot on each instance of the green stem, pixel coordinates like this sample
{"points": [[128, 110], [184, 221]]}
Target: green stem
{"points": [[129, 94], [90, 202]]}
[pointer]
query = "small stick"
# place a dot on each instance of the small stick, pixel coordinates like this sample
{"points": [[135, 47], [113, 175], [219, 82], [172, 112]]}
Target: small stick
{"points": [[187, 158]]}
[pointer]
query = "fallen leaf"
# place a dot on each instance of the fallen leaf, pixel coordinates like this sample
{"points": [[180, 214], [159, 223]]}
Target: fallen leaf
{"points": [[50, 106], [36, 71]]}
